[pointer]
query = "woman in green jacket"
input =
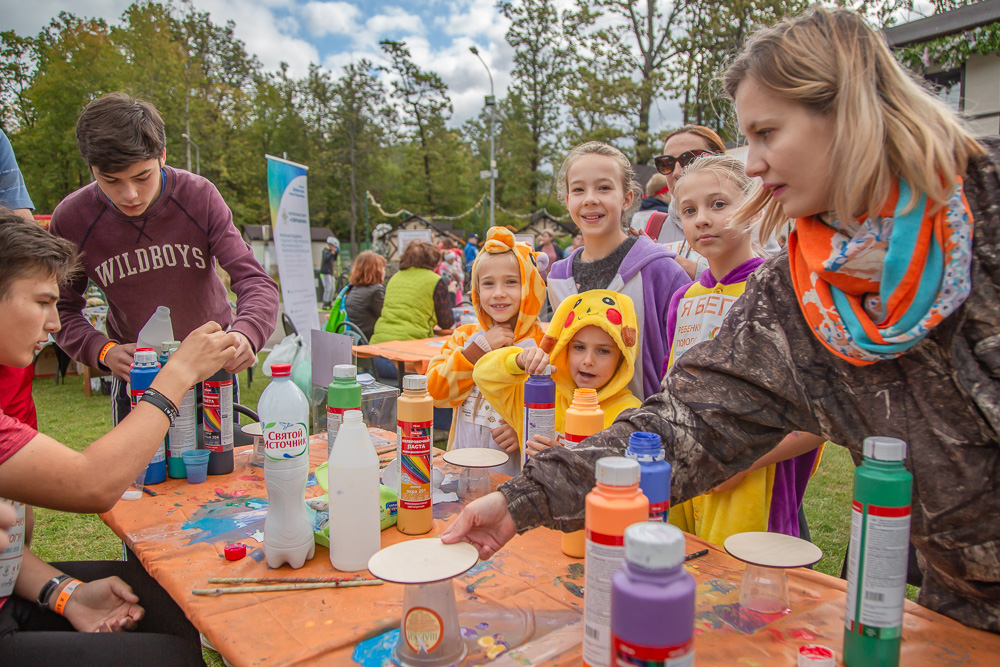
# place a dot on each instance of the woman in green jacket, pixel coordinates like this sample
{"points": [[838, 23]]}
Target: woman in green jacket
{"points": [[416, 298]]}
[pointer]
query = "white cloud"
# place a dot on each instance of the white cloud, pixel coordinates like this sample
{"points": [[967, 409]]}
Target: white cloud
{"points": [[331, 18]]}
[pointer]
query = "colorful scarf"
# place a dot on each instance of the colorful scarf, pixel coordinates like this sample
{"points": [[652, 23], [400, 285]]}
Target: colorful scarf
{"points": [[873, 293]]}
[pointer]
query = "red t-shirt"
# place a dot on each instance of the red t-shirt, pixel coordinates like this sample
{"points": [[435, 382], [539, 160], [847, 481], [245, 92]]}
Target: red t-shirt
{"points": [[15, 394], [13, 436]]}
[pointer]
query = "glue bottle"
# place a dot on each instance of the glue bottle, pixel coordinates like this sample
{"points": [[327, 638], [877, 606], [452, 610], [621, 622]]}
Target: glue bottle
{"points": [[653, 599], [539, 409], [647, 449], [584, 417], [343, 394], [878, 555], [144, 369], [355, 530], [414, 441], [217, 421], [284, 418], [183, 433], [156, 330], [614, 505]]}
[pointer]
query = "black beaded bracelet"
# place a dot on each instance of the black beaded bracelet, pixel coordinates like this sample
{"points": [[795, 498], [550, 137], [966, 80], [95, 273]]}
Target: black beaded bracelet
{"points": [[46, 592], [160, 401]]}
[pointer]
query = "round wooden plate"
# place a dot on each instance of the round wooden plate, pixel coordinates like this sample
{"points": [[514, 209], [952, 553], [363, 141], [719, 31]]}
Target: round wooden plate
{"points": [[476, 457], [772, 550], [253, 429], [422, 561]]}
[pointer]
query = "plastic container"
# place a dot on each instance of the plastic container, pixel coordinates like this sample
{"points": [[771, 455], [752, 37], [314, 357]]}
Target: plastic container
{"points": [[584, 418], [284, 415], [652, 599], [615, 504], [878, 555], [144, 369], [217, 421], [183, 434], [195, 463], [539, 409], [343, 394], [353, 473], [414, 441], [156, 330], [647, 449]]}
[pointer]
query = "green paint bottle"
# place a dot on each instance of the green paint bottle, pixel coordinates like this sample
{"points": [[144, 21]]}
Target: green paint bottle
{"points": [[878, 555], [343, 394]]}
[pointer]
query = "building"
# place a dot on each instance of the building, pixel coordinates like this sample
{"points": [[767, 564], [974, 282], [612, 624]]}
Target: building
{"points": [[259, 238]]}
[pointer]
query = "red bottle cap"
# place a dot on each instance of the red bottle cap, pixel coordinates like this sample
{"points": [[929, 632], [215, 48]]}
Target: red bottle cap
{"points": [[235, 551]]}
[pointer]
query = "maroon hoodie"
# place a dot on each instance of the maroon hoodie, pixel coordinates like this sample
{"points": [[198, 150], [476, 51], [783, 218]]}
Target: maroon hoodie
{"points": [[162, 258]]}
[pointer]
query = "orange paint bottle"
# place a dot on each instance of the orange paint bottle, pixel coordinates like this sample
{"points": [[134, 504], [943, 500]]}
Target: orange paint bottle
{"points": [[584, 417], [414, 446], [615, 504]]}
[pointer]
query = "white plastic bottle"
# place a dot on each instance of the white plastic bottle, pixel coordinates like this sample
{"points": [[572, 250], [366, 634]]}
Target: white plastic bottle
{"points": [[156, 330], [284, 418], [355, 530]]}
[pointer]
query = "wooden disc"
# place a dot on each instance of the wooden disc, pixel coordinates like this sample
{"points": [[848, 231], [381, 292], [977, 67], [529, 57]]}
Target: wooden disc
{"points": [[422, 561], [253, 429], [772, 550], [476, 457]]}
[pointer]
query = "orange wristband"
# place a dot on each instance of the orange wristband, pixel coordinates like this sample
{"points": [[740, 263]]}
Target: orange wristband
{"points": [[64, 596], [104, 350]]}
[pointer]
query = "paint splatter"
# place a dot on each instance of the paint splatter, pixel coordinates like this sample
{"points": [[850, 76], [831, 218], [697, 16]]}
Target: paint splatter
{"points": [[776, 636], [469, 633], [717, 586], [575, 571], [230, 495], [745, 620], [377, 651], [224, 522], [575, 589], [471, 588], [482, 626], [256, 503], [750, 662], [803, 634]]}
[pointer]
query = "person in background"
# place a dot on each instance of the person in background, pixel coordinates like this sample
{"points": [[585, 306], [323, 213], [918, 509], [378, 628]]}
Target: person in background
{"points": [[364, 299], [577, 242], [546, 245], [416, 298], [151, 235], [84, 610], [471, 250], [328, 269], [657, 200]]}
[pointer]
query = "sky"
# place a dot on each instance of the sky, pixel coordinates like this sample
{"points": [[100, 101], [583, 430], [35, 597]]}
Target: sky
{"points": [[333, 33]]}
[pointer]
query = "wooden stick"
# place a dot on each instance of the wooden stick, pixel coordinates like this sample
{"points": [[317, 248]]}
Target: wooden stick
{"points": [[285, 587], [284, 580]]}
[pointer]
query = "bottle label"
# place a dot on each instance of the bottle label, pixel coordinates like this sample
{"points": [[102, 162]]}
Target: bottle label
{"points": [[573, 437], [423, 629], [415, 440], [285, 440], [10, 558], [604, 556], [160, 454], [334, 419], [658, 511], [217, 405], [183, 434], [626, 654], [539, 419], [876, 570]]}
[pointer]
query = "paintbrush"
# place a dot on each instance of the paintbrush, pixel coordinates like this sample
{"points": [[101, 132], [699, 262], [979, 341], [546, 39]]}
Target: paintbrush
{"points": [[148, 490], [285, 587], [696, 554], [284, 580]]}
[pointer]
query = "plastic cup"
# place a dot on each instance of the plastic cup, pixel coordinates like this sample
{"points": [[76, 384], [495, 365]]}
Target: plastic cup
{"points": [[473, 483], [134, 490], [764, 589], [196, 465]]}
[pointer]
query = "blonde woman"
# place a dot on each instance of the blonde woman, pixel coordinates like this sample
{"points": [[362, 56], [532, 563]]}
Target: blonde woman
{"points": [[884, 182]]}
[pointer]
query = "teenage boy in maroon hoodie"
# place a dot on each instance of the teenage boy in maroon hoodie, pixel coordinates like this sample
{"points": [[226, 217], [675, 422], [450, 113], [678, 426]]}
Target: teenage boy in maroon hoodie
{"points": [[149, 235]]}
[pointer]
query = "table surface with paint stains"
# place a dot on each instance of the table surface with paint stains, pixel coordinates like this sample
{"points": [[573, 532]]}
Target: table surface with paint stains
{"points": [[522, 607]]}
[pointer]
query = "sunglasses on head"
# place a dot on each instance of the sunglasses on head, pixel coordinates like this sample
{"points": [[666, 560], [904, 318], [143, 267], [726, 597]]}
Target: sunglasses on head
{"points": [[665, 163]]}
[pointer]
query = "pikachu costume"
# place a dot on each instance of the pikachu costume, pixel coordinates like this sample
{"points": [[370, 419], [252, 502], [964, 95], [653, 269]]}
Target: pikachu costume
{"points": [[449, 376], [501, 380]]}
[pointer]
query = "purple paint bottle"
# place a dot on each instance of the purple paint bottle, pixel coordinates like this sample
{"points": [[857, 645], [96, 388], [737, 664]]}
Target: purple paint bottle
{"points": [[652, 600], [539, 408]]}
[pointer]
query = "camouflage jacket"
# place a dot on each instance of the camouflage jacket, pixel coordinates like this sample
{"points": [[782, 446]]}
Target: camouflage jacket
{"points": [[730, 400]]}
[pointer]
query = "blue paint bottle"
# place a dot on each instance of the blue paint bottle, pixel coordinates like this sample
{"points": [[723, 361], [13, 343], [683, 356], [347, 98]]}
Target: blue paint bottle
{"points": [[654, 480], [144, 369]]}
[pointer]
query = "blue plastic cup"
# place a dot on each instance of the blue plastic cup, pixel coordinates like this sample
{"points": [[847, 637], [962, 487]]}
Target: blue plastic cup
{"points": [[196, 465]]}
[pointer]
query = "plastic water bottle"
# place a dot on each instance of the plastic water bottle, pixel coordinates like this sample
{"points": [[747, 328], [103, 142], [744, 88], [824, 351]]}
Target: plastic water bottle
{"points": [[355, 531], [878, 555], [284, 418], [156, 330], [647, 449], [144, 369], [343, 394], [183, 433], [217, 422]]}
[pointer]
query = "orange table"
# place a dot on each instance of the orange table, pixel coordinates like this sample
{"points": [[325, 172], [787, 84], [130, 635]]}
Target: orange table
{"points": [[522, 607], [410, 355]]}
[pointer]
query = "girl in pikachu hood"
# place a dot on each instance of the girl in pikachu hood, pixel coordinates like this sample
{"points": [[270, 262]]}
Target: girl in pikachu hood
{"points": [[507, 293], [591, 342]]}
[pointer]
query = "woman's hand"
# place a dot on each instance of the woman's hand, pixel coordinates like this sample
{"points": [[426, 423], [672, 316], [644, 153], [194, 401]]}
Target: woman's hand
{"points": [[506, 439], [499, 336], [105, 605], [539, 444], [532, 360], [485, 524]]}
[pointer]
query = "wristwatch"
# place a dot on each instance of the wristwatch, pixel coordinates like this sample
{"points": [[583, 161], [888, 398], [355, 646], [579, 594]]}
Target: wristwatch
{"points": [[46, 592]]}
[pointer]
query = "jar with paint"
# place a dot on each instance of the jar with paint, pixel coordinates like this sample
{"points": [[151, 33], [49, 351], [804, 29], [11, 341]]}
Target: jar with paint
{"points": [[878, 555], [183, 434], [654, 479], [217, 421], [612, 506], [653, 599], [144, 369], [343, 394], [414, 444], [584, 417]]}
